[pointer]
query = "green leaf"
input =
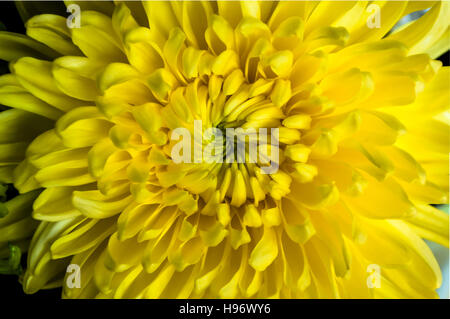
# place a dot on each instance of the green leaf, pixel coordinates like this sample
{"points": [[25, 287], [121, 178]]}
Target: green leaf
{"points": [[3, 190], [12, 266]]}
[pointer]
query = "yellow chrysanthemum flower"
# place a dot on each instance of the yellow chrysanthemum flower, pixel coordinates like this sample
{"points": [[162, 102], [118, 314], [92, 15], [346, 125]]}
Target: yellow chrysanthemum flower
{"points": [[363, 149]]}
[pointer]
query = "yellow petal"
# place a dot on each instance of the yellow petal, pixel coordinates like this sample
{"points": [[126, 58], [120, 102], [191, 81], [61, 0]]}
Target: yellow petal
{"points": [[265, 251], [52, 30], [15, 46], [35, 75], [88, 234], [19, 98], [430, 223], [96, 38], [421, 34], [96, 205], [54, 204], [82, 127]]}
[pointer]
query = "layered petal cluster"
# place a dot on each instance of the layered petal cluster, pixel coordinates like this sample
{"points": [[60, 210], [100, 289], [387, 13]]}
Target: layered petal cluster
{"points": [[363, 149]]}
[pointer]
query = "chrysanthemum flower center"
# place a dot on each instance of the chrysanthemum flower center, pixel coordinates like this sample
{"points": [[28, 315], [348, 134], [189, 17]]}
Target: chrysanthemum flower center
{"points": [[130, 118]]}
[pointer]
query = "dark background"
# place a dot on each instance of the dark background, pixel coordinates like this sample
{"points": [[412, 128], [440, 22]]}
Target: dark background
{"points": [[11, 20]]}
